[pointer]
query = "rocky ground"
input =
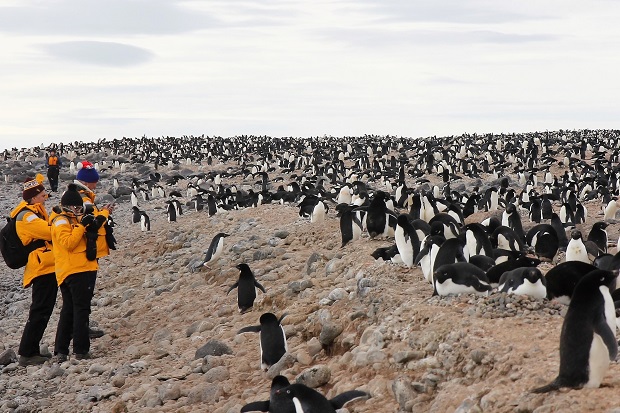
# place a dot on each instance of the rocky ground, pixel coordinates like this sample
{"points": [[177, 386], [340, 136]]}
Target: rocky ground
{"points": [[352, 323]]}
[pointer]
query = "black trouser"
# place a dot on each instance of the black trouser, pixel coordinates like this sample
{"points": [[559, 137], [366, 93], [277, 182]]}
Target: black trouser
{"points": [[77, 293], [44, 292], [52, 177]]}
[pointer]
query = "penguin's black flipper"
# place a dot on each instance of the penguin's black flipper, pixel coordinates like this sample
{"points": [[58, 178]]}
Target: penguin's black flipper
{"points": [[256, 407], [249, 329], [421, 254], [282, 318], [343, 398], [602, 329], [232, 287], [260, 287]]}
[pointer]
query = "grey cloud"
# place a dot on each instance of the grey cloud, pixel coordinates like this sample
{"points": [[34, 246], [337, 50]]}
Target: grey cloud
{"points": [[99, 53], [96, 17]]}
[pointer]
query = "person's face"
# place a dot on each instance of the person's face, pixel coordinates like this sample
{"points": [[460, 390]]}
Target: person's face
{"points": [[40, 198], [76, 210], [91, 185]]}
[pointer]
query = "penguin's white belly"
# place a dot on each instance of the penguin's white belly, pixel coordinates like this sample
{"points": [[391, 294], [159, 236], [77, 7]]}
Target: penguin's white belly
{"points": [[405, 249], [536, 290], [427, 267], [388, 231], [448, 287], [397, 259], [357, 232], [598, 362], [577, 253]]}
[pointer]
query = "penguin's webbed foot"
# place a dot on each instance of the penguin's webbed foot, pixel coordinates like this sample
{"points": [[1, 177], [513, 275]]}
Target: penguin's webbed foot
{"points": [[194, 267], [547, 388]]}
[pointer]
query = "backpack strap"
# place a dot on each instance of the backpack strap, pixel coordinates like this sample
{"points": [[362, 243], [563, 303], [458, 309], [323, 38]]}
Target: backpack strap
{"points": [[22, 212]]}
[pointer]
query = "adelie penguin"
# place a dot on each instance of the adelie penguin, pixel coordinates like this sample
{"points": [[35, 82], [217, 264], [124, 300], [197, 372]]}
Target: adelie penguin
{"points": [[576, 249], [611, 210], [211, 205], [426, 257], [306, 399], [494, 274], [280, 402], [451, 251], [512, 219], [460, 278], [560, 231], [482, 261], [588, 338], [215, 250], [598, 235], [246, 288], [172, 210], [135, 214], [544, 240], [145, 222], [505, 238], [477, 240], [272, 339], [562, 279], [524, 281], [445, 225], [313, 207], [387, 254], [380, 221], [350, 223], [406, 240]]}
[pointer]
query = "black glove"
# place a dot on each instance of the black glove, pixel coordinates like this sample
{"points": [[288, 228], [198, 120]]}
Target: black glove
{"points": [[99, 221], [87, 220], [91, 245], [109, 236]]}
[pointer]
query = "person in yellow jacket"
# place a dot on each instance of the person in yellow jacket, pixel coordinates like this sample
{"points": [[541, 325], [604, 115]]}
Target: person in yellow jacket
{"points": [[86, 180], [53, 169], [32, 225], [76, 271]]}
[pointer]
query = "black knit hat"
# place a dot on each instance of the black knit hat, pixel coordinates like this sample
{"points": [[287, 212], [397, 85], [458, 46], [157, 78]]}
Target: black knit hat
{"points": [[71, 197]]}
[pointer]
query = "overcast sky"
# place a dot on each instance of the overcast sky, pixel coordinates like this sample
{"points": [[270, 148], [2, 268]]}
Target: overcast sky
{"points": [[90, 69]]}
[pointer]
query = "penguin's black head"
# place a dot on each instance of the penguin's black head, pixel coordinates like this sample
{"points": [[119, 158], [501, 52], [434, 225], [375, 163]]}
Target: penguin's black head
{"points": [[222, 234], [601, 225], [436, 228], [268, 318], [380, 253], [403, 220], [510, 208], [242, 267], [279, 382], [604, 278], [533, 275], [441, 274], [575, 234]]}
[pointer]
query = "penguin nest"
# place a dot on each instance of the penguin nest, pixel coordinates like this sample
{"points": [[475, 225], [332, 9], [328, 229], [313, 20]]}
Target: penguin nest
{"points": [[501, 305]]}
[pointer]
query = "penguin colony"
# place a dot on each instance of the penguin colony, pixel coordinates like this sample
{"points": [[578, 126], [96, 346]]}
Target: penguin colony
{"points": [[420, 196]]}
